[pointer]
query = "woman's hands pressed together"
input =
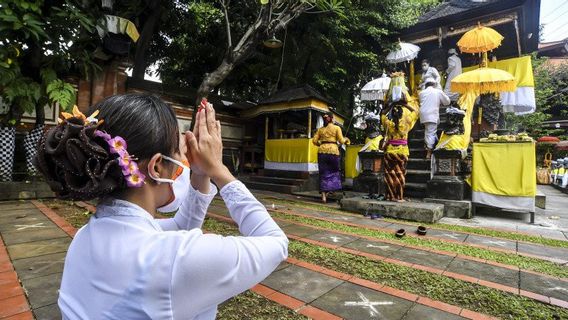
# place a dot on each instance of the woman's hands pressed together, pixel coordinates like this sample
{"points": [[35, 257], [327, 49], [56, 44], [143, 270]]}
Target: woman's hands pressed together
{"points": [[205, 148]]}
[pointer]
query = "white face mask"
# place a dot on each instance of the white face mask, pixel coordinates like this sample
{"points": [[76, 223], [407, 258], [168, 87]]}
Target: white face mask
{"points": [[180, 187]]}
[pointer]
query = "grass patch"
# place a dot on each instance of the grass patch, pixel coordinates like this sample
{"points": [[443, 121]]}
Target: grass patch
{"points": [[443, 226], [456, 292], [73, 214], [523, 262], [249, 305]]}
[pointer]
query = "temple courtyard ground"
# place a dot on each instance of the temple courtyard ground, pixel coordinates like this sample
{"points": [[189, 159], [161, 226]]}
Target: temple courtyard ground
{"points": [[340, 265]]}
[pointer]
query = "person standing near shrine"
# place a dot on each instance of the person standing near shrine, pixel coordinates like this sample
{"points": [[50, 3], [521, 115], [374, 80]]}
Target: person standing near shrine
{"points": [[431, 98], [327, 139], [429, 72], [454, 70], [397, 122]]}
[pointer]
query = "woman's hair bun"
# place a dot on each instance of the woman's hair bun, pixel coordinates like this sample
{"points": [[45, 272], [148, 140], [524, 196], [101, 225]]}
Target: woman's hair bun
{"points": [[76, 163]]}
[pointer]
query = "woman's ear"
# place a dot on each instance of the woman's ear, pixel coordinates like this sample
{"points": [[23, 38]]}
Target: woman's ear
{"points": [[155, 166]]}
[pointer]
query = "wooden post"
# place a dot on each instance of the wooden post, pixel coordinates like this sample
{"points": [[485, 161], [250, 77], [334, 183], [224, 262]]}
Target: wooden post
{"points": [[309, 124], [411, 78], [266, 128]]}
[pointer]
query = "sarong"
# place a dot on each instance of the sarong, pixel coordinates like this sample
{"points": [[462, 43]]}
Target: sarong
{"points": [[330, 178], [395, 175]]}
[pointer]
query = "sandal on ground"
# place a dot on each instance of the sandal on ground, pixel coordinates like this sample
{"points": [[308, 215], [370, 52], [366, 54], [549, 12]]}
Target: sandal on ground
{"points": [[400, 233], [421, 230]]}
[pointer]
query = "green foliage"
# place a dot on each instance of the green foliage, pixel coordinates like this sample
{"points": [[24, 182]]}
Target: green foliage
{"points": [[42, 42], [62, 93]]}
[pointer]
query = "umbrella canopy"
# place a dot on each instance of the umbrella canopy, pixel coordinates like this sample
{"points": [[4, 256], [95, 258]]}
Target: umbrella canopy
{"points": [[375, 89], [484, 80], [480, 39], [406, 52]]}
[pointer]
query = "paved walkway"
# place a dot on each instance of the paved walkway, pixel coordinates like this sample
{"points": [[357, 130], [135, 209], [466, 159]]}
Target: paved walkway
{"points": [[554, 254], [551, 222], [507, 278], [36, 248], [36, 240]]}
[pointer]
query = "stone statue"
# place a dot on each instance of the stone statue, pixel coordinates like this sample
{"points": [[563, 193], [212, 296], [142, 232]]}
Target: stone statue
{"points": [[454, 122]]}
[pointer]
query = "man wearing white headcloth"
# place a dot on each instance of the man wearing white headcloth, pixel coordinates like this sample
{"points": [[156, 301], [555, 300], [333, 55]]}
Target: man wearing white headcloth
{"points": [[431, 98], [454, 69]]}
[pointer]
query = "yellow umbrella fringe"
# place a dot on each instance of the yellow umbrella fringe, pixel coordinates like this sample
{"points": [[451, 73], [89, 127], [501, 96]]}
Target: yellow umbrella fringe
{"points": [[487, 87]]}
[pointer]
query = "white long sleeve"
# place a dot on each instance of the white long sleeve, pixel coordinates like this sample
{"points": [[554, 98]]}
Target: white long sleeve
{"points": [[123, 265], [192, 211], [222, 267]]}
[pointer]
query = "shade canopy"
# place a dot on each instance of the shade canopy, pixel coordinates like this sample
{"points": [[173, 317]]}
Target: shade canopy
{"points": [[375, 89], [480, 39], [484, 80], [406, 52]]}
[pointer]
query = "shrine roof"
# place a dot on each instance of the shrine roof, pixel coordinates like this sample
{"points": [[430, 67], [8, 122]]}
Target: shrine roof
{"points": [[294, 94]]}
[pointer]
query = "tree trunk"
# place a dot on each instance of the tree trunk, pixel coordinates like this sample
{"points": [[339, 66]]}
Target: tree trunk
{"points": [[145, 39], [40, 114]]}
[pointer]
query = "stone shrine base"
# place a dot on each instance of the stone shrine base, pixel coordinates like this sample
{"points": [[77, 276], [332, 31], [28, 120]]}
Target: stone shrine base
{"points": [[414, 211], [23, 190]]}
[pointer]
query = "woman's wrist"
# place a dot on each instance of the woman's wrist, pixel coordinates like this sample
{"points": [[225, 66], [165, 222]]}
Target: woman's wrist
{"points": [[200, 182], [222, 176]]}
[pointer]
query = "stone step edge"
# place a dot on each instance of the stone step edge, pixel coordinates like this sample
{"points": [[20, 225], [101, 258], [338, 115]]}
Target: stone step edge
{"points": [[347, 213], [457, 276], [372, 285], [19, 306], [432, 238]]}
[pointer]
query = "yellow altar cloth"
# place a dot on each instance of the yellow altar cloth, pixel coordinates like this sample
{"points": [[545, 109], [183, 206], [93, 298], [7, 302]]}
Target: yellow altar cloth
{"points": [[290, 151], [520, 68], [351, 161], [504, 175]]}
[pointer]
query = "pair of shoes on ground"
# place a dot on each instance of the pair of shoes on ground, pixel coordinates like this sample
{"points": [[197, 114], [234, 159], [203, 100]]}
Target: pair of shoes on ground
{"points": [[401, 232]]}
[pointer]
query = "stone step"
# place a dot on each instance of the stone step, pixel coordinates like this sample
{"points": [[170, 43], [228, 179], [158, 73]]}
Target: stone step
{"points": [[284, 174], [415, 190], [281, 188], [418, 152], [414, 211], [277, 180], [418, 164], [418, 176]]}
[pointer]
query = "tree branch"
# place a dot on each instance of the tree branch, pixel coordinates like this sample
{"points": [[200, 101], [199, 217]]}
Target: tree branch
{"points": [[228, 24]]}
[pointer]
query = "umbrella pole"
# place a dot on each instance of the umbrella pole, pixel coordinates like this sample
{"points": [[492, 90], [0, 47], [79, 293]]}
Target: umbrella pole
{"points": [[411, 77]]}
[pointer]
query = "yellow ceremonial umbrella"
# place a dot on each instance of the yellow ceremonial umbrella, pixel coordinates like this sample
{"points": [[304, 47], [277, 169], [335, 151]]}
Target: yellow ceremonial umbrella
{"points": [[480, 39], [484, 80]]}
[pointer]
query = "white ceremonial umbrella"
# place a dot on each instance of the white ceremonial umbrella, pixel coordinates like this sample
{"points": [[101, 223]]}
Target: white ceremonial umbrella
{"points": [[405, 53], [375, 89]]}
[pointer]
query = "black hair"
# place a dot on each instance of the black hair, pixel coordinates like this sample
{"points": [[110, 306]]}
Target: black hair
{"points": [[146, 122], [396, 111], [77, 163], [426, 61]]}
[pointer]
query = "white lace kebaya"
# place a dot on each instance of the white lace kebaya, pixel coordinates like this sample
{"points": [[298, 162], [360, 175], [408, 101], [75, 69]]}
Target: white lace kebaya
{"points": [[124, 264]]}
